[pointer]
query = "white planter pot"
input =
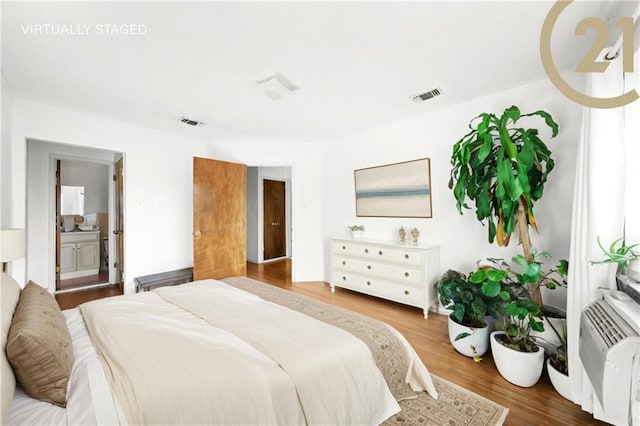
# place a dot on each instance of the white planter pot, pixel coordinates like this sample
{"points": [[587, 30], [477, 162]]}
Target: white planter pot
{"points": [[520, 368], [560, 382], [356, 234], [548, 339], [474, 345]]}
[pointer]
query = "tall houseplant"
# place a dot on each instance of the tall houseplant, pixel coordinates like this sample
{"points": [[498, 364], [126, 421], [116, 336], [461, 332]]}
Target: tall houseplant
{"points": [[502, 168]]}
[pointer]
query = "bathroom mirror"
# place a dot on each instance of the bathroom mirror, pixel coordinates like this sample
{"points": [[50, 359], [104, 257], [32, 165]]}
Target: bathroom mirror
{"points": [[72, 199]]}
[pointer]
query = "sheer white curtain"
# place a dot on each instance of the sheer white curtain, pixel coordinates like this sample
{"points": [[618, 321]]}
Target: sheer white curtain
{"points": [[606, 193], [598, 211]]}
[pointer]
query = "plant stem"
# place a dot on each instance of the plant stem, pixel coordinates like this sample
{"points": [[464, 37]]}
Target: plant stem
{"points": [[525, 240]]}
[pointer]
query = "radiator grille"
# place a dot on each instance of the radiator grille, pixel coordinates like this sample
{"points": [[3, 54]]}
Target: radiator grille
{"points": [[610, 332]]}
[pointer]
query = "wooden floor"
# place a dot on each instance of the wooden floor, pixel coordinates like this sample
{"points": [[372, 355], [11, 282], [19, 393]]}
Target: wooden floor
{"points": [[74, 283], [538, 405]]}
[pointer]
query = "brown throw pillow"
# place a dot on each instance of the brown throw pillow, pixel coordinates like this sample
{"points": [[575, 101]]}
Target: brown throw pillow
{"points": [[39, 346]]}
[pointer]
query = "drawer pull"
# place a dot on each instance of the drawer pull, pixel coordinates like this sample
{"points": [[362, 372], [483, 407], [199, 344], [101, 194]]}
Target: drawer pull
{"points": [[368, 266], [344, 248], [406, 274], [368, 282], [366, 250], [380, 252], [406, 292], [344, 263], [406, 256], [344, 278]]}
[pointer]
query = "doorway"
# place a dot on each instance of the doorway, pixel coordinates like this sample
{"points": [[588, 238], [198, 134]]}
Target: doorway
{"points": [[45, 220], [269, 214]]}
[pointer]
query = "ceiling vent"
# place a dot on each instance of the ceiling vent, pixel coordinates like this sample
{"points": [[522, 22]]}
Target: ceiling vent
{"points": [[427, 95], [190, 122], [276, 87]]}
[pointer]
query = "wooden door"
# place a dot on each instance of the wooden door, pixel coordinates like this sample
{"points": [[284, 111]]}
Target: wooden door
{"points": [[275, 221], [219, 219], [58, 225], [119, 229]]}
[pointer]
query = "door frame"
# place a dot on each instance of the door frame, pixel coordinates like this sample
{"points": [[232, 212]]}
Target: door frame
{"points": [[54, 244]]}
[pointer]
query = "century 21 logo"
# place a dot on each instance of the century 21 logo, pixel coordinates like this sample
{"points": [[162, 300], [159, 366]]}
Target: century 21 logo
{"points": [[589, 63]]}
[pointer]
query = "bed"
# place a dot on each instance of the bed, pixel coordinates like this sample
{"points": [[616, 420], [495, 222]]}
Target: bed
{"points": [[234, 351]]}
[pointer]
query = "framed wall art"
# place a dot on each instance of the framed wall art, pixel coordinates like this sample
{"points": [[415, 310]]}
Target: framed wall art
{"points": [[394, 190]]}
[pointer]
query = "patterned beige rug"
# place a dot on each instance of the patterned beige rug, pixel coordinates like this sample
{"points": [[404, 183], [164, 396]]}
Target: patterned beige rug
{"points": [[454, 406]]}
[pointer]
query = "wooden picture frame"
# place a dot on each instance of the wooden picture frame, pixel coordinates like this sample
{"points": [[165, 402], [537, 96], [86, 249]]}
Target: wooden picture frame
{"points": [[394, 190]]}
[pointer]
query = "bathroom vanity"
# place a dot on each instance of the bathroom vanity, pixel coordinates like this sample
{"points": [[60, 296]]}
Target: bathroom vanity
{"points": [[79, 254]]}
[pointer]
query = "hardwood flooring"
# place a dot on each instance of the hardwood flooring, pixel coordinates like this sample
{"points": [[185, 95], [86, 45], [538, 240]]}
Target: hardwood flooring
{"points": [[73, 283], [538, 405]]}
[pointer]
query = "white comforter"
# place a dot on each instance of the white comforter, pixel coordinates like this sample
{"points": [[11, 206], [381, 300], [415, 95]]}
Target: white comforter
{"points": [[208, 353]]}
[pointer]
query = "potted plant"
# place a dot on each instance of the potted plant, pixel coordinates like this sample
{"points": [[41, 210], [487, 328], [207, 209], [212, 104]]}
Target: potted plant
{"points": [[502, 169], [621, 254], [356, 230], [558, 364], [515, 349], [470, 305]]}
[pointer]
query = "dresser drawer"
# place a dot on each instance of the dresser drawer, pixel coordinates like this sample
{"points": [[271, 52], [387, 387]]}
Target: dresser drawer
{"points": [[396, 273], [393, 270], [395, 255], [407, 294]]}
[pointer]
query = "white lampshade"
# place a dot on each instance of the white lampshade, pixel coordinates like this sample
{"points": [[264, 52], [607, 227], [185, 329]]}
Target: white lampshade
{"points": [[11, 244]]}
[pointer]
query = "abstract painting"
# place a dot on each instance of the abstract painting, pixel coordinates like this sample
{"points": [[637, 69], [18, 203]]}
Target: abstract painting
{"points": [[394, 190]]}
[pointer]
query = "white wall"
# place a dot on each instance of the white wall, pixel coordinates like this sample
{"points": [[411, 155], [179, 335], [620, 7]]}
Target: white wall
{"points": [[253, 213], [6, 112], [158, 185], [462, 239]]}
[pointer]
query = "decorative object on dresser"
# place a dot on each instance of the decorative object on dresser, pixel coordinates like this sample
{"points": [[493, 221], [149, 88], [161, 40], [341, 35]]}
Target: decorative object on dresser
{"points": [[404, 273], [394, 190], [415, 233], [79, 254], [162, 279], [356, 231], [402, 233]]}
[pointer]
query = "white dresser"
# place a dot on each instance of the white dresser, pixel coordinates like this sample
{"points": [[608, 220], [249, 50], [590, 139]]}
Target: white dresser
{"points": [[79, 254], [402, 272]]}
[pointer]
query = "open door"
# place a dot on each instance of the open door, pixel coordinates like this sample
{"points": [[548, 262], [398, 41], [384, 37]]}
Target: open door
{"points": [[274, 219], [219, 219], [58, 225], [118, 232]]}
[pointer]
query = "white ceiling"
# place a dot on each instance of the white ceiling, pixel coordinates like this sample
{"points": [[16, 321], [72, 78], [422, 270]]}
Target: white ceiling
{"points": [[357, 64]]}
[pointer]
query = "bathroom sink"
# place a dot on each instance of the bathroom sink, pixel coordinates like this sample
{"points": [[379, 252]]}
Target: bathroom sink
{"points": [[87, 228]]}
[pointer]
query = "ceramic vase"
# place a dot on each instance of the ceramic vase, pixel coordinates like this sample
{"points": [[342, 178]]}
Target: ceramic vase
{"points": [[520, 368], [476, 344], [560, 382]]}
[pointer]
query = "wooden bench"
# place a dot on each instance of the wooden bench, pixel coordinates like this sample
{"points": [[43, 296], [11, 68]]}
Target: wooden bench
{"points": [[161, 279]]}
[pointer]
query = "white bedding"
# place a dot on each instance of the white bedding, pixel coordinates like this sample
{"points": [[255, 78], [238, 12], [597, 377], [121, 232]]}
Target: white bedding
{"points": [[89, 396], [230, 357], [351, 391]]}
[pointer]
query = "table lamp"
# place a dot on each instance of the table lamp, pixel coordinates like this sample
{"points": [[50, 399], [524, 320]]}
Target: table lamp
{"points": [[11, 246]]}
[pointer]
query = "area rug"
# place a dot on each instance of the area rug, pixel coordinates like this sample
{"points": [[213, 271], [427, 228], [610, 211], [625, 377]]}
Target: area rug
{"points": [[454, 406]]}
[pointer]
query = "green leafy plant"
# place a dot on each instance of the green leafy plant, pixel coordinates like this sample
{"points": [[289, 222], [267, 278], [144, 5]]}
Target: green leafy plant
{"points": [[558, 356], [502, 169], [356, 227], [618, 253], [521, 314], [467, 299]]}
